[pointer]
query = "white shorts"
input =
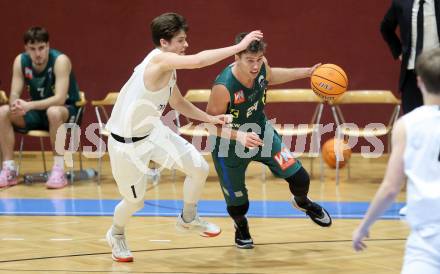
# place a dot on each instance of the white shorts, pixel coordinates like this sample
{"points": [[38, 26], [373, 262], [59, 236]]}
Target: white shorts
{"points": [[129, 161], [422, 253]]}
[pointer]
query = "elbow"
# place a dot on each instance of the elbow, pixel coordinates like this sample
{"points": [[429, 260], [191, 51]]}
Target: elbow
{"points": [[391, 192], [199, 62], [60, 101]]}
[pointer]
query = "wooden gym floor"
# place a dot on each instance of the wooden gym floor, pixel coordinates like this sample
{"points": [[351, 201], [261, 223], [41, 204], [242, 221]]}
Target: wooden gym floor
{"points": [[36, 240]]}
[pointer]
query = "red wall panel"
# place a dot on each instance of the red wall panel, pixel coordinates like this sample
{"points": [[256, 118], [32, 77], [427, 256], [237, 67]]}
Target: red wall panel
{"points": [[105, 39]]}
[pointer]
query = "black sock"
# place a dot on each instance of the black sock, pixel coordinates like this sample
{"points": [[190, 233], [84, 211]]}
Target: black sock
{"points": [[301, 200], [240, 221]]}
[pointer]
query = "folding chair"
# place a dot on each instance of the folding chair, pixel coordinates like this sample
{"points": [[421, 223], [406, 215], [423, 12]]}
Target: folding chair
{"points": [[370, 97], [312, 128], [194, 96], [45, 134], [3, 97], [100, 105]]}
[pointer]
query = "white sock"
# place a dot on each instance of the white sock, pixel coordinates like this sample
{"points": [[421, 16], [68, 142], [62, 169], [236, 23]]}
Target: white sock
{"points": [[58, 161], [123, 212], [117, 230], [9, 164]]}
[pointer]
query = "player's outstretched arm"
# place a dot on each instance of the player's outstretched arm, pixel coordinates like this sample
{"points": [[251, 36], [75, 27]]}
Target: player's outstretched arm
{"points": [[186, 108], [168, 60], [284, 75], [218, 105], [388, 190]]}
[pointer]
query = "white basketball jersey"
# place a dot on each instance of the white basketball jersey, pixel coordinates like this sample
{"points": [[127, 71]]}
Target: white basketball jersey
{"points": [[422, 165], [137, 109]]}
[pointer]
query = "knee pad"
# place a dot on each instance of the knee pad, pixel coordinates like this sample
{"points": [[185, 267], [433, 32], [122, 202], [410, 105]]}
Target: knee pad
{"points": [[134, 206], [299, 182], [200, 169], [241, 210]]}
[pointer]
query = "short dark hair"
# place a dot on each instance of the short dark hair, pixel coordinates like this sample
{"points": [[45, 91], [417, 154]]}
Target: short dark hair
{"points": [[35, 35], [166, 26], [254, 47], [428, 68]]}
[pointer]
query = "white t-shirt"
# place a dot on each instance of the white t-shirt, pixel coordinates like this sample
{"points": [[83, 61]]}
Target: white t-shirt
{"points": [[430, 34], [422, 165], [138, 109]]}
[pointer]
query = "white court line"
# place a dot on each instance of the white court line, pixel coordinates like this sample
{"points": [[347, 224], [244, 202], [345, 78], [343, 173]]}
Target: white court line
{"points": [[160, 241], [12, 239], [61, 239]]}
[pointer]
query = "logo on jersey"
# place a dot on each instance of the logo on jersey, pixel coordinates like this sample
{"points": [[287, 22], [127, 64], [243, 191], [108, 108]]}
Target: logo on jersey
{"points": [[239, 97], [49, 73], [251, 110], [284, 158], [263, 98], [261, 81], [235, 113], [161, 107], [28, 73]]}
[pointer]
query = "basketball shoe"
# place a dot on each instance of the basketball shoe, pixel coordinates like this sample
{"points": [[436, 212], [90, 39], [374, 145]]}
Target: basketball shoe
{"points": [[315, 212], [8, 177], [120, 250], [243, 238], [202, 227]]}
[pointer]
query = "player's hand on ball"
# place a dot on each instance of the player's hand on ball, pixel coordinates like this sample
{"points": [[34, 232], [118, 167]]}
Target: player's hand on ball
{"points": [[312, 69], [249, 139]]}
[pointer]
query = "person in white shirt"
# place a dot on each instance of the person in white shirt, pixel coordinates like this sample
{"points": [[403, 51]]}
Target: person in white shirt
{"points": [[415, 156], [138, 136]]}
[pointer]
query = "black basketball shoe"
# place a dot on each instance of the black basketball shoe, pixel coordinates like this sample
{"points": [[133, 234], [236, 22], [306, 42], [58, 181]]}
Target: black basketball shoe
{"points": [[317, 213], [243, 238]]}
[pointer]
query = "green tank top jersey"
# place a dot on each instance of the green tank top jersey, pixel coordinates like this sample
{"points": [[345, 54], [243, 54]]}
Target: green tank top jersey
{"points": [[246, 104], [41, 85]]}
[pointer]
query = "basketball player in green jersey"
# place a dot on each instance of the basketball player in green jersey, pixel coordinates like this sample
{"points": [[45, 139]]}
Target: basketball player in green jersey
{"points": [[240, 90], [47, 75]]}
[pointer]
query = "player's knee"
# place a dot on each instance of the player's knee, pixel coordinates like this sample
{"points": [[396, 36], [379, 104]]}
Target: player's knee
{"points": [[200, 169], [134, 205], [54, 114], [4, 111], [299, 182], [239, 210], [139, 204], [135, 195]]}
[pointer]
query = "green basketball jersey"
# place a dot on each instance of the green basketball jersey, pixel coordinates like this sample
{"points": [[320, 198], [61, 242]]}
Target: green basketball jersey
{"points": [[41, 85], [246, 104]]}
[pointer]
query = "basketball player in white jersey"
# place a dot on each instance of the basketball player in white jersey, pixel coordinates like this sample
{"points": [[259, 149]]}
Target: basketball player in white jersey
{"points": [[416, 156], [138, 136]]}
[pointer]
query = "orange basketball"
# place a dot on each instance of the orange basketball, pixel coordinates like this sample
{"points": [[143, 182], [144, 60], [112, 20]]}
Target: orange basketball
{"points": [[329, 81], [329, 155]]}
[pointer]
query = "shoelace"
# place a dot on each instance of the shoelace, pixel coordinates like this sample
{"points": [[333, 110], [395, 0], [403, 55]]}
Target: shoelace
{"points": [[8, 174], [58, 177], [316, 209], [200, 221], [121, 245]]}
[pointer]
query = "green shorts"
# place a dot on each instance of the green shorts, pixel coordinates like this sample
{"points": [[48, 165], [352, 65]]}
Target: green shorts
{"points": [[231, 169], [37, 119]]}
